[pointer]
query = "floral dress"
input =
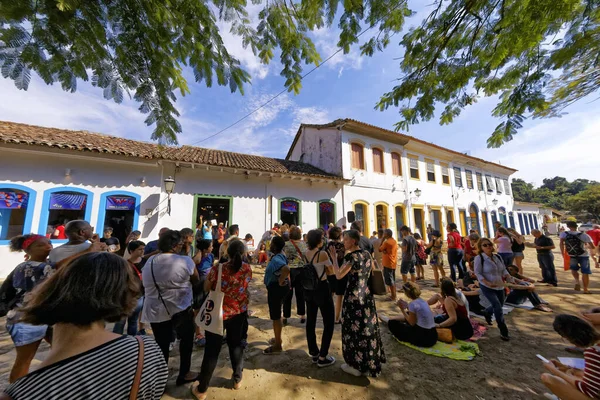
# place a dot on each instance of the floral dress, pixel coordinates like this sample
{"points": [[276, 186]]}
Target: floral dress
{"points": [[361, 341]]}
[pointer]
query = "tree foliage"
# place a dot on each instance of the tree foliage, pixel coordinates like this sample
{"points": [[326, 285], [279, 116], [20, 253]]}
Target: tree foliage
{"points": [[587, 202], [538, 55], [555, 192], [140, 47]]}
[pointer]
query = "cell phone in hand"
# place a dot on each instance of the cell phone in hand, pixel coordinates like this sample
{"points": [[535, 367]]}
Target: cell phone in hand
{"points": [[544, 359]]}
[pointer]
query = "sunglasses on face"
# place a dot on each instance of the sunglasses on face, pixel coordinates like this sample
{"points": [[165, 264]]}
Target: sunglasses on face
{"points": [[486, 245]]}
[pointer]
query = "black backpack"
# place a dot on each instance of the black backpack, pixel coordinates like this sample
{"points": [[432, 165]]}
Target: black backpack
{"points": [[310, 278], [574, 245]]}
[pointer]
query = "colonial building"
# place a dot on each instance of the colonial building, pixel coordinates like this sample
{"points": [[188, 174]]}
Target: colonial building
{"points": [[395, 179], [333, 173], [50, 175]]}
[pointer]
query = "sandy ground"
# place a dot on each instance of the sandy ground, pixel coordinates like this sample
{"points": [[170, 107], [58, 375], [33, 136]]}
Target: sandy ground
{"points": [[503, 371]]}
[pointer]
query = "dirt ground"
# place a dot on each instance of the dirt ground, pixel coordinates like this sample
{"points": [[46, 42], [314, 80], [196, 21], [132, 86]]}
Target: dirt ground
{"points": [[502, 371]]}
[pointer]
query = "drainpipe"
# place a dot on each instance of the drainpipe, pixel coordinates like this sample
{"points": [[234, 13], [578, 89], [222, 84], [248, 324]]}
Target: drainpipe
{"points": [[344, 205]]}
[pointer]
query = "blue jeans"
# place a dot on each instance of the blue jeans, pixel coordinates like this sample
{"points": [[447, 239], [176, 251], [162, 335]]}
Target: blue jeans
{"points": [[132, 320], [546, 262], [496, 298], [507, 258], [455, 257], [519, 296], [582, 262]]}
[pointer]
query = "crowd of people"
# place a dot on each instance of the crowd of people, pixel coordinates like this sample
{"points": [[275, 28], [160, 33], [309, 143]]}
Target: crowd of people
{"points": [[66, 295]]}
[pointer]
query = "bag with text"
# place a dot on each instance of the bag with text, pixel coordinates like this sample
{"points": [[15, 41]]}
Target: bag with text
{"points": [[210, 316]]}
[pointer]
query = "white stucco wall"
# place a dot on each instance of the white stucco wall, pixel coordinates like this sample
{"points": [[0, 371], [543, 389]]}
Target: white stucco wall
{"points": [[321, 148], [250, 196], [373, 188]]}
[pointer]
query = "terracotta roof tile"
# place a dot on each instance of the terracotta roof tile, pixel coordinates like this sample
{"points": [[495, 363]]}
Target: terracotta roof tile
{"points": [[16, 133]]}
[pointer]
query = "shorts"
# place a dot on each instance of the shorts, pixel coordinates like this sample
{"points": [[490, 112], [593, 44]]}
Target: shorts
{"points": [[518, 254], [407, 267], [340, 285], [275, 296], [23, 334], [436, 260], [582, 262], [389, 276]]}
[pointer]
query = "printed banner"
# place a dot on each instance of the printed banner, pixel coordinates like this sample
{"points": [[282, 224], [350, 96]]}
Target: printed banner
{"points": [[67, 201], [120, 203], [289, 206], [326, 207], [11, 199]]}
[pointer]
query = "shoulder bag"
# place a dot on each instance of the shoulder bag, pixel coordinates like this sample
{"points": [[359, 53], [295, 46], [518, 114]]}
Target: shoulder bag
{"points": [[177, 318], [210, 316], [137, 378]]}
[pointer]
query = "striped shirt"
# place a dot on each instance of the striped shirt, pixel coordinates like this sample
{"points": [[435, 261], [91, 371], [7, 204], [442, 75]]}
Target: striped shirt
{"points": [[104, 372], [590, 385], [492, 270]]}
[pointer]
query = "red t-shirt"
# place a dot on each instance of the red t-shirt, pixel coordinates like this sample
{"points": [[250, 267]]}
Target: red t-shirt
{"points": [[469, 248], [61, 232], [457, 239], [595, 235], [235, 287]]}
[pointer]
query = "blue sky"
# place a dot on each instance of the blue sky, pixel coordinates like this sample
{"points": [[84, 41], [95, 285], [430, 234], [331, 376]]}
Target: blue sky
{"points": [[348, 86]]}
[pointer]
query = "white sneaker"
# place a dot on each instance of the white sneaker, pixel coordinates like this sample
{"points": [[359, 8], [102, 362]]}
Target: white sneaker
{"points": [[349, 370]]}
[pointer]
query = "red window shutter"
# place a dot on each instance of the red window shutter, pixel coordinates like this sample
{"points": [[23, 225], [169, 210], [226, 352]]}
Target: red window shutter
{"points": [[377, 160]]}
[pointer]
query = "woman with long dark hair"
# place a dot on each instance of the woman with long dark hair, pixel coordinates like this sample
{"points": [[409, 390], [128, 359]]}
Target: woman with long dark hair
{"points": [[235, 277], [87, 361], [361, 341], [319, 300], [455, 314], [337, 285]]}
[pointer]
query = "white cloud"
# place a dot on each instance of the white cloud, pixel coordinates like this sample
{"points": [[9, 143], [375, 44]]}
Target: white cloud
{"points": [[558, 147], [234, 46], [268, 131], [85, 109], [341, 71], [326, 40]]}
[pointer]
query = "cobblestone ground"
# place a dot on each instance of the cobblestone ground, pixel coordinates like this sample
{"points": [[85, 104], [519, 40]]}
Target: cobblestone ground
{"points": [[503, 371]]}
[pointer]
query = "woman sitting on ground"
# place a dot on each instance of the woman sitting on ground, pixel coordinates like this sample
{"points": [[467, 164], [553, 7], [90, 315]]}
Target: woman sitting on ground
{"points": [[86, 361], [524, 290], [416, 325], [455, 314], [569, 383], [263, 257], [469, 287], [235, 278]]}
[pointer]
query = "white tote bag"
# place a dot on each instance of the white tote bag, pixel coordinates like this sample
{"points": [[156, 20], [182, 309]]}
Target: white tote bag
{"points": [[210, 317]]}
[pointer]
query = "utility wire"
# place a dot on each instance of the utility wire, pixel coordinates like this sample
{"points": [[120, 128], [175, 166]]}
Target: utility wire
{"points": [[263, 105]]}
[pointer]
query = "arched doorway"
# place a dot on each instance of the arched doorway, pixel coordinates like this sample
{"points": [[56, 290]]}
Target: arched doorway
{"points": [[361, 213], [326, 213], [399, 210], [474, 218], [381, 213], [119, 210], [502, 213], [289, 211], [511, 219]]}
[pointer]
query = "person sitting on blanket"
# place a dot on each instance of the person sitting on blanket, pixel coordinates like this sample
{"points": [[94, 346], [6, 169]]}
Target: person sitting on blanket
{"points": [[569, 383], [415, 325], [525, 290], [470, 288], [455, 315]]}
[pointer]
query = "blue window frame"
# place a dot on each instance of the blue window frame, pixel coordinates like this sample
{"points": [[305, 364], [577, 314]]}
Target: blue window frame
{"points": [[7, 212], [47, 207], [111, 197]]}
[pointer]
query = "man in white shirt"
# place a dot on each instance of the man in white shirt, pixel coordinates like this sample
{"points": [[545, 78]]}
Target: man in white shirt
{"points": [[574, 244], [79, 233]]}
